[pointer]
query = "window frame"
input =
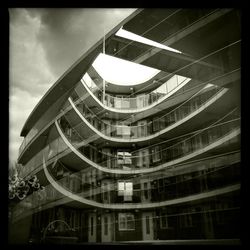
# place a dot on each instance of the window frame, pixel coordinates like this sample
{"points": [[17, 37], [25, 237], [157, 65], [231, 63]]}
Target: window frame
{"points": [[122, 191], [127, 220]]}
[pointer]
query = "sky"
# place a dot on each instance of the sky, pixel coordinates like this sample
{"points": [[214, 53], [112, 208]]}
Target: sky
{"points": [[43, 44]]}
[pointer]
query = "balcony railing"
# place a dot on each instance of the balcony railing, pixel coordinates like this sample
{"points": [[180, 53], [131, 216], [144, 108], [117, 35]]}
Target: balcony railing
{"points": [[159, 189], [140, 101], [139, 159], [224, 172], [134, 160], [187, 108]]}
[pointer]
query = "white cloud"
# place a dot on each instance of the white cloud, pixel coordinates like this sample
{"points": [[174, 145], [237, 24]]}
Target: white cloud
{"points": [[20, 105], [30, 76]]}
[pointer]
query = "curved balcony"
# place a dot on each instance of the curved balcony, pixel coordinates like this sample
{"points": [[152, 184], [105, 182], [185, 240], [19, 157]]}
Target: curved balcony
{"points": [[34, 133], [35, 163], [134, 162], [170, 190], [141, 162], [134, 104], [149, 130], [157, 190]]}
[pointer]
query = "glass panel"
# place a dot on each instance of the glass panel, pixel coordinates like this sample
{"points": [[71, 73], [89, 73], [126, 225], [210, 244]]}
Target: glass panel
{"points": [[130, 222], [121, 188], [122, 221]]}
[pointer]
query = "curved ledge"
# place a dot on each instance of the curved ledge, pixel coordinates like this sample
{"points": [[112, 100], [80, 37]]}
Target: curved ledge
{"points": [[129, 111], [221, 80], [225, 138], [139, 206], [38, 201], [136, 206], [149, 137]]}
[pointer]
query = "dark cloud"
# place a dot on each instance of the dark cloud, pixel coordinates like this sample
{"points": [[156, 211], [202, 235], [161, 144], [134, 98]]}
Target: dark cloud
{"points": [[66, 34]]}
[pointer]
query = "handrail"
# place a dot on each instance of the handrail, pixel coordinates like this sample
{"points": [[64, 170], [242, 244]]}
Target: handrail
{"points": [[205, 136], [228, 159], [65, 196], [36, 161], [22, 213], [169, 120], [26, 141], [94, 192], [39, 199]]}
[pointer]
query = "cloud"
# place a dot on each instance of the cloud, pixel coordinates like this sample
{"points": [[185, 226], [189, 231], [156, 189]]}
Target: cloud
{"points": [[29, 74], [66, 34], [43, 44], [21, 105], [28, 65]]}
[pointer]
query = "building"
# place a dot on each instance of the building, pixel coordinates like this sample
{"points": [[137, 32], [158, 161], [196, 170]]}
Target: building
{"points": [[140, 139]]}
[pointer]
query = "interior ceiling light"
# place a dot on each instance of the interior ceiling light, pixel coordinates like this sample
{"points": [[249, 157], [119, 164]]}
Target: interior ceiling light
{"points": [[122, 72], [131, 36]]}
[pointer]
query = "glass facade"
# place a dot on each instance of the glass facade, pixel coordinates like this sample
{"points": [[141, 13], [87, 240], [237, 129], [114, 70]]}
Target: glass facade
{"points": [[156, 164]]}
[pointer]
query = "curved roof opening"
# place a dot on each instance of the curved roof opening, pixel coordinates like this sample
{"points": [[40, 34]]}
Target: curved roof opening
{"points": [[134, 37], [122, 72]]}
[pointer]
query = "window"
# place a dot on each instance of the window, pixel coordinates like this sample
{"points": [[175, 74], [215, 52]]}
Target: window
{"points": [[126, 221], [127, 158], [124, 158], [105, 225], [156, 124], [125, 189], [142, 128], [156, 156]]}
